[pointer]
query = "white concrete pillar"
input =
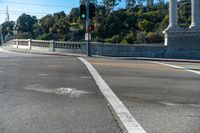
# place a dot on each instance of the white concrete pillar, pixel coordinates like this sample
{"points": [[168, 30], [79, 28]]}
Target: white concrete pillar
{"points": [[172, 13], [29, 44], [195, 13]]}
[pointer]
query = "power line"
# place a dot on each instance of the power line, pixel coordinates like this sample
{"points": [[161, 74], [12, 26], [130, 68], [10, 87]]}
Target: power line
{"points": [[17, 14], [34, 4], [14, 11]]}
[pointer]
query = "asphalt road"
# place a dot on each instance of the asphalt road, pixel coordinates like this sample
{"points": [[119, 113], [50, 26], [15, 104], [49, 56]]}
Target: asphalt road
{"points": [[161, 98], [50, 94]]}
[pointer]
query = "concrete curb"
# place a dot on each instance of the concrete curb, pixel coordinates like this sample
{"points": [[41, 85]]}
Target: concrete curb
{"points": [[149, 59], [44, 53]]}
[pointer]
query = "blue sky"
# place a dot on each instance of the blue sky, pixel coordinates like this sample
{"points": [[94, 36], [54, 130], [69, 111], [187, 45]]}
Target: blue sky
{"points": [[15, 10]]}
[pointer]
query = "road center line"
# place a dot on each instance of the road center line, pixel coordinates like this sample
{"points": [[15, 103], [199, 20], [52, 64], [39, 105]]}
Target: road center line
{"points": [[177, 67], [124, 118]]}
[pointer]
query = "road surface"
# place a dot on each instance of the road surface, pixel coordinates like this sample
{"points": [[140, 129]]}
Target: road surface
{"points": [[50, 94], [161, 98]]}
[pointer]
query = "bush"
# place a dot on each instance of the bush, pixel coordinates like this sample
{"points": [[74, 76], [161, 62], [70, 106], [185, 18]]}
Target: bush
{"points": [[141, 37], [114, 39], [153, 37], [130, 39]]}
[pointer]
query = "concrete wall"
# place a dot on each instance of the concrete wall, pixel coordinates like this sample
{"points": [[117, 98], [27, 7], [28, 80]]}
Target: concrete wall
{"points": [[117, 50]]}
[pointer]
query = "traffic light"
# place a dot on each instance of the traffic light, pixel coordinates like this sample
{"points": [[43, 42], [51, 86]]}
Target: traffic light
{"points": [[90, 27], [82, 12], [91, 10]]}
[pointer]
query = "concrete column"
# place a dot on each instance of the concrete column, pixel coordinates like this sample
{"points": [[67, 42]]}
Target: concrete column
{"points": [[172, 13], [17, 43], [29, 44], [195, 14], [52, 46]]}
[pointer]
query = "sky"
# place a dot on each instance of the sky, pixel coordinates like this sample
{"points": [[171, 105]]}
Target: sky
{"points": [[17, 7]]}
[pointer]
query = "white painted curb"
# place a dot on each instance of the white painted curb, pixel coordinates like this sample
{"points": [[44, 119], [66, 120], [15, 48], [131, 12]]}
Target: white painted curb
{"points": [[125, 120]]}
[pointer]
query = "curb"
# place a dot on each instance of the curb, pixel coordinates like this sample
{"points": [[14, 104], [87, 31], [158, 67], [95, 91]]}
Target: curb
{"points": [[44, 53], [149, 59]]}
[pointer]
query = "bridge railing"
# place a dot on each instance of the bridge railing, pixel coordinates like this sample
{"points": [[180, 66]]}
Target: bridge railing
{"points": [[48, 46], [97, 48]]}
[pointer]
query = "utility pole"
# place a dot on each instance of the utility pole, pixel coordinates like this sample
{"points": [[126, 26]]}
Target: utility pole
{"points": [[7, 14], [88, 47], [87, 12]]}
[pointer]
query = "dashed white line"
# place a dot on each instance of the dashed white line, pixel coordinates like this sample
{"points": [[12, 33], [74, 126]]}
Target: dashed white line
{"points": [[126, 121], [177, 67]]}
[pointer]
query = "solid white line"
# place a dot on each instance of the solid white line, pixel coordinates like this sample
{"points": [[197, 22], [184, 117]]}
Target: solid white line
{"points": [[177, 67], [127, 121]]}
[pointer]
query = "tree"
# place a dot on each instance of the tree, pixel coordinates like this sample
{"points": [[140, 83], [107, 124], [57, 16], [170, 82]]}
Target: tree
{"points": [[60, 29], [130, 4], [73, 16], [110, 4], [145, 25], [26, 22], [7, 28], [111, 25]]}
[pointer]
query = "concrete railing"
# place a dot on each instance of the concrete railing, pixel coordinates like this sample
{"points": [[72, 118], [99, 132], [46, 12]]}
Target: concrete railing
{"points": [[48, 46], [97, 48]]}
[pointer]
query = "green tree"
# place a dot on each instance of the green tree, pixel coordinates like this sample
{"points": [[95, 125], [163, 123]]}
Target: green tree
{"points": [[73, 16], [60, 29], [7, 28], [145, 25], [25, 23]]}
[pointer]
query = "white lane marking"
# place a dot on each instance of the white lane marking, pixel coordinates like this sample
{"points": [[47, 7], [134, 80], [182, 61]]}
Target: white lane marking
{"points": [[1, 71], [72, 92], [177, 67], [43, 74], [129, 124], [85, 77]]}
